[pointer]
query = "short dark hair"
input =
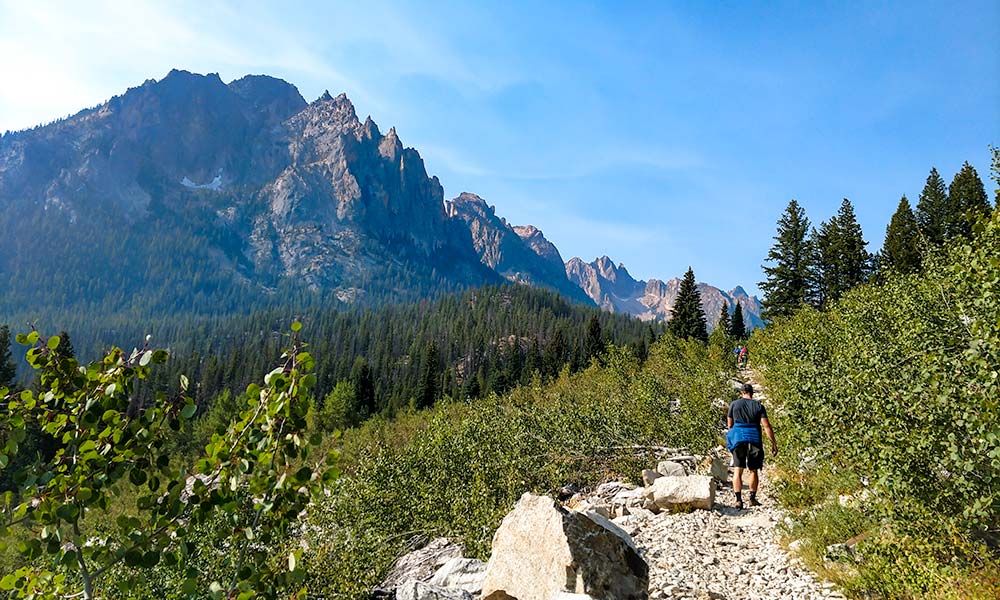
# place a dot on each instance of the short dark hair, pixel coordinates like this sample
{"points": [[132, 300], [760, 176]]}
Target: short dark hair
{"points": [[747, 389]]}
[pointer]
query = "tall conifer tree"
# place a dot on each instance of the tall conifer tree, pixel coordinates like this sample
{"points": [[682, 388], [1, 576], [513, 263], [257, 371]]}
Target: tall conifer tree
{"points": [[594, 344], [363, 380], [687, 318], [901, 249], [789, 280], [725, 321], [842, 261], [932, 209], [738, 328], [967, 201], [427, 387], [824, 241]]}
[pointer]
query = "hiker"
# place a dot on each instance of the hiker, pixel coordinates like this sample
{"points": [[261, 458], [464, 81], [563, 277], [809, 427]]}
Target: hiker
{"points": [[745, 419], [744, 356]]}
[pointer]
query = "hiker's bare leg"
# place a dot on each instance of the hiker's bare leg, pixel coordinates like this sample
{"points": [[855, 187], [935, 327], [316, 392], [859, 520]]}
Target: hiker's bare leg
{"points": [[738, 480], [754, 480]]}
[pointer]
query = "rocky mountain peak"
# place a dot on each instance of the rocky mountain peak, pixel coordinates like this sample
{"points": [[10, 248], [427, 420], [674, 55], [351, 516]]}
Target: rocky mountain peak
{"points": [[535, 239], [390, 146], [469, 202], [527, 231], [269, 98]]}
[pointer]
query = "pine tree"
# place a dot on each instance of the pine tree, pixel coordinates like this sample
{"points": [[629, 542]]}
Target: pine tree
{"points": [[932, 209], [738, 329], [687, 319], [427, 388], [363, 381], [725, 322], [855, 259], [967, 201], [8, 368], [841, 259], [824, 241], [66, 349], [789, 282], [594, 345], [901, 249]]}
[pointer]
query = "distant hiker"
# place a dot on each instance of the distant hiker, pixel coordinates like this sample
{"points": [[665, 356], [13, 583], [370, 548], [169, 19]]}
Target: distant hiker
{"points": [[745, 418], [744, 356]]}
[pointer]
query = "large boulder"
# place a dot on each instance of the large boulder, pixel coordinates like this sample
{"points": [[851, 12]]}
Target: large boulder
{"points": [[541, 550], [682, 493]]}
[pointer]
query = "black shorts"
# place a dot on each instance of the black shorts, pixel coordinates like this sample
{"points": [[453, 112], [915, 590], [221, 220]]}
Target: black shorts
{"points": [[748, 456]]}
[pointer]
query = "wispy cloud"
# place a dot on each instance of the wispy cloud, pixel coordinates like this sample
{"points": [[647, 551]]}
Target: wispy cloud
{"points": [[60, 58]]}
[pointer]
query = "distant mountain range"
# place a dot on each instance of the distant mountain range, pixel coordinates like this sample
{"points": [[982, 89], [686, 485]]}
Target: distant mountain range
{"points": [[614, 289], [188, 194]]}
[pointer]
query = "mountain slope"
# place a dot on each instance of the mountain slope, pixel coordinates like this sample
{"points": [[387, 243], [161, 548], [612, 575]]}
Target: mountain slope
{"points": [[519, 254], [614, 289]]}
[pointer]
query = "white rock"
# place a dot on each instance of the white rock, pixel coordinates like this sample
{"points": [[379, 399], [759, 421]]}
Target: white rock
{"points": [[462, 573], [418, 590], [672, 493], [649, 476], [420, 565], [670, 468], [541, 550], [720, 469]]}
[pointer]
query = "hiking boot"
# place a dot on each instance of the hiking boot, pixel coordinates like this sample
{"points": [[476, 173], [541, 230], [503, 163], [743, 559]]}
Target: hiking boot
{"points": [[754, 501], [739, 505]]}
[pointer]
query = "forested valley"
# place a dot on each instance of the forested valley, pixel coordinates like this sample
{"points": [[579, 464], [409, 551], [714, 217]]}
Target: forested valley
{"points": [[287, 452]]}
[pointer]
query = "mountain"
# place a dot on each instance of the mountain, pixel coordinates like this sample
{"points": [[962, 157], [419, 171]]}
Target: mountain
{"points": [[188, 193], [615, 290], [519, 254], [190, 196]]}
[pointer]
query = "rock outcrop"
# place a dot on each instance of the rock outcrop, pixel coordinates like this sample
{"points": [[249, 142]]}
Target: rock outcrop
{"points": [[541, 550]]}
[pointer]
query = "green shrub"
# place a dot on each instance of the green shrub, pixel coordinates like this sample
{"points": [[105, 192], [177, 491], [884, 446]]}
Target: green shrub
{"points": [[457, 470], [895, 388]]}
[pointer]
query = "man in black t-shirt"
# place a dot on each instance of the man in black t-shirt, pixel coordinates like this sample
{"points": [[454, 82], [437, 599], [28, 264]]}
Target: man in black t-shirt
{"points": [[745, 419]]}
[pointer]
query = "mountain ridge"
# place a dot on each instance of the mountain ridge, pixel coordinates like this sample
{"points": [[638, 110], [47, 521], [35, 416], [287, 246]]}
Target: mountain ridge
{"points": [[614, 289], [249, 189]]}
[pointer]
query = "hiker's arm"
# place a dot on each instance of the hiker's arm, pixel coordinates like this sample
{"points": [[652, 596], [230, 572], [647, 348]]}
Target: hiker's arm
{"points": [[729, 417], [770, 435]]}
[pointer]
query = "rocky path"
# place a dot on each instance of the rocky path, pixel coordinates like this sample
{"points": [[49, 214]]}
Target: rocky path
{"points": [[723, 553]]}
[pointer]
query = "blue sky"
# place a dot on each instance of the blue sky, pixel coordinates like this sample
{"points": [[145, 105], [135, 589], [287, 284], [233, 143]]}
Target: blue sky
{"points": [[661, 134]]}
